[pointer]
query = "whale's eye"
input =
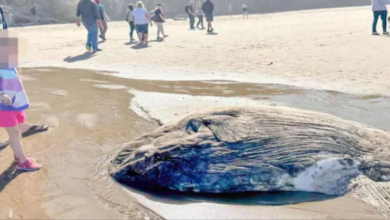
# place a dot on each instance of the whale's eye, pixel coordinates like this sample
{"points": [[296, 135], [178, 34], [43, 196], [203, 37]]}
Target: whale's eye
{"points": [[194, 125]]}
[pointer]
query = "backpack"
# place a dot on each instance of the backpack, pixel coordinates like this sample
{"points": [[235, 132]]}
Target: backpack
{"points": [[152, 15]]}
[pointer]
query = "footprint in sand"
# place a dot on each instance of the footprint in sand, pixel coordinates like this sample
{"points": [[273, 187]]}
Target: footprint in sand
{"points": [[39, 106], [87, 120], [51, 121]]}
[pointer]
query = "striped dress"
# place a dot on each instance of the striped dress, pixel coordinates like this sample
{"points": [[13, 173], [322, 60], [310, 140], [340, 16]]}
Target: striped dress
{"points": [[11, 85]]}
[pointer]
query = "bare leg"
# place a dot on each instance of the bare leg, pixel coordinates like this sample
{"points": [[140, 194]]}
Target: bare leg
{"points": [[24, 127], [140, 37], [15, 137], [146, 38], [210, 26]]}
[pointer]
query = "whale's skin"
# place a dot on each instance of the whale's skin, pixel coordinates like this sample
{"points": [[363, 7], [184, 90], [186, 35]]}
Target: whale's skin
{"points": [[246, 149]]}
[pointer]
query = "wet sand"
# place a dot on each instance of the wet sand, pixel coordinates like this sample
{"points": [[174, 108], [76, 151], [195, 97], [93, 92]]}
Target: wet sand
{"points": [[90, 118], [87, 124]]}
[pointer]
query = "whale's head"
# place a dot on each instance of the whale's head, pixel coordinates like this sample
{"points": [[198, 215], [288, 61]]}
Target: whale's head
{"points": [[252, 149]]}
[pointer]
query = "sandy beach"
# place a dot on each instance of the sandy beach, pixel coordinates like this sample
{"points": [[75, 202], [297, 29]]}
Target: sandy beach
{"points": [[328, 49], [323, 60]]}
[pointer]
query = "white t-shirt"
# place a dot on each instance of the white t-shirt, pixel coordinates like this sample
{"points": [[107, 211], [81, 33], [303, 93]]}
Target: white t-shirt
{"points": [[379, 5], [140, 16]]}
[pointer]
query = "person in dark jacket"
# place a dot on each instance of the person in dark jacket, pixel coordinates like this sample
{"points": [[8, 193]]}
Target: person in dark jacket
{"points": [[90, 17], [191, 15], [208, 9]]}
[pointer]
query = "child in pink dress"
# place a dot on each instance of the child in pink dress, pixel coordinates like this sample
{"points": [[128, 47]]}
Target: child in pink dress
{"points": [[13, 101]]}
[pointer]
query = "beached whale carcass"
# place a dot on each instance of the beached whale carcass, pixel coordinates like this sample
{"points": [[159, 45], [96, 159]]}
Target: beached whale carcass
{"points": [[240, 149]]}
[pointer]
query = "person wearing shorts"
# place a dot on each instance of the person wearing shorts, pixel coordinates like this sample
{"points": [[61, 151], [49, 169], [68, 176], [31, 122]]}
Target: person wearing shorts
{"points": [[208, 9], [14, 101], [142, 21]]}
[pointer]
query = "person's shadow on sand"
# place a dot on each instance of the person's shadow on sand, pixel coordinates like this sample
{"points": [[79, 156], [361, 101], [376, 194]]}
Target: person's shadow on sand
{"points": [[8, 175], [211, 33], [81, 57], [139, 47], [130, 43]]}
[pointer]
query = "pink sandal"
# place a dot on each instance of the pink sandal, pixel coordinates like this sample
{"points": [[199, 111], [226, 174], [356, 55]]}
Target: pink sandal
{"points": [[29, 165], [17, 160]]}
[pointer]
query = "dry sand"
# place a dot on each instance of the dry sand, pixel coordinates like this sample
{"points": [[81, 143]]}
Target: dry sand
{"points": [[323, 49]]}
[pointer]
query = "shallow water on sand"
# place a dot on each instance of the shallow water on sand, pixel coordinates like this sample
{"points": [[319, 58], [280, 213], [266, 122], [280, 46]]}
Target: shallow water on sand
{"points": [[90, 119]]}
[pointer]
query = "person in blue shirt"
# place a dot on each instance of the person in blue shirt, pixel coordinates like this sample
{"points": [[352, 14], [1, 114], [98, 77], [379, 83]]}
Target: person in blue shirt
{"points": [[88, 14]]}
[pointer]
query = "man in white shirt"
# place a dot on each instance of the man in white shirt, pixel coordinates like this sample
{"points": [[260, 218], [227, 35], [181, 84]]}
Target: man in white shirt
{"points": [[380, 10]]}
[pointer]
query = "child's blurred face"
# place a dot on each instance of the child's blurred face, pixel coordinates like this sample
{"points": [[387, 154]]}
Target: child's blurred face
{"points": [[12, 49]]}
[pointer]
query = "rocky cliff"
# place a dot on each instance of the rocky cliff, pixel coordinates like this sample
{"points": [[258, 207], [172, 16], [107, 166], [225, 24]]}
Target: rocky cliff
{"points": [[62, 11]]}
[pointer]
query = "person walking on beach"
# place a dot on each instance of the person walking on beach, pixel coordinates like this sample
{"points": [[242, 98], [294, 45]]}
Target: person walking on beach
{"points": [[13, 103], [245, 11], [159, 20], [130, 20], [199, 13], [103, 19], [208, 9], [90, 17], [33, 10], [230, 10], [190, 11], [142, 21], [379, 9]]}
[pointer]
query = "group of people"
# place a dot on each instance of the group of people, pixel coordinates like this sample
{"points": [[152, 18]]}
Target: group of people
{"points": [[205, 9], [139, 20], [92, 15]]}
